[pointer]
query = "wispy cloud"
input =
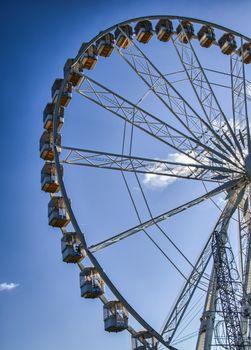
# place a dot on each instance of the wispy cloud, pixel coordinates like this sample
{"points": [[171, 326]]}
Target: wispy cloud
{"points": [[8, 286], [159, 181]]}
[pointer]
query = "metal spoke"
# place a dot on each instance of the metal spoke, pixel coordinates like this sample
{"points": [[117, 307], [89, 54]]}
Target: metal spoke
{"points": [[167, 93], [150, 124], [117, 238], [105, 160], [204, 92], [239, 99], [171, 324]]}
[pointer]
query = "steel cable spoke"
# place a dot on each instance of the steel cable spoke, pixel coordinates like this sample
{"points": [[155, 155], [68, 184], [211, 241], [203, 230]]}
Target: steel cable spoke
{"points": [[171, 324], [149, 123], [163, 216], [171, 100], [209, 103]]}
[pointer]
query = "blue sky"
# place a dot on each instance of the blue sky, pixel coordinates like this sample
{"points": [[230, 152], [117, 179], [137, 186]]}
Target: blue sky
{"points": [[45, 310]]}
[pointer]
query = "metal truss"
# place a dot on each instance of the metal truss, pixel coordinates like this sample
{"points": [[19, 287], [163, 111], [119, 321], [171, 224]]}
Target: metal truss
{"points": [[147, 122], [205, 94], [229, 288], [215, 151], [239, 99], [114, 239], [172, 99], [171, 324], [244, 222], [104, 160]]}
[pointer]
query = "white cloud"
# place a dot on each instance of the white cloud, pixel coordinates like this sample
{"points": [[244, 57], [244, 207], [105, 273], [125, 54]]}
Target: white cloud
{"points": [[7, 286], [161, 181]]}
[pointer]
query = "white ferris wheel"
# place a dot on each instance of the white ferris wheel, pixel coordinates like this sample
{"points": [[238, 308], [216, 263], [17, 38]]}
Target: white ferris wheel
{"points": [[178, 91]]}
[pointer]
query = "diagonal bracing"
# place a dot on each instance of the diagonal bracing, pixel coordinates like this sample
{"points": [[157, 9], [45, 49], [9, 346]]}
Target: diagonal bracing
{"points": [[105, 160]]}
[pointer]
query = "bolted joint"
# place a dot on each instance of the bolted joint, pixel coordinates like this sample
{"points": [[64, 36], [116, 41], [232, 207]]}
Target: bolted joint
{"points": [[206, 321]]}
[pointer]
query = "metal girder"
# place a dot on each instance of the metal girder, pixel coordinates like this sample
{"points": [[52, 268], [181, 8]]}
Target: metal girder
{"points": [[229, 288], [105, 160], [164, 132], [244, 222], [239, 99], [171, 324], [205, 94], [205, 335], [168, 94], [225, 187]]}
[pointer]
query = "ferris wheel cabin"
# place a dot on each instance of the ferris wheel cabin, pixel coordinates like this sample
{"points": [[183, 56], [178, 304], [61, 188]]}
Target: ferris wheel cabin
{"points": [[185, 31], [164, 29], [227, 43], [66, 95], [121, 36], [246, 52], [45, 145], [49, 179], [105, 45], [57, 213], [91, 283], [89, 58], [206, 36], [71, 248], [143, 337], [75, 74], [115, 316], [144, 31], [48, 117]]}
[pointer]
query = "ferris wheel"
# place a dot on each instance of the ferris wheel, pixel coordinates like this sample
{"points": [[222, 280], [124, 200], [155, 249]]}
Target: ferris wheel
{"points": [[184, 99]]}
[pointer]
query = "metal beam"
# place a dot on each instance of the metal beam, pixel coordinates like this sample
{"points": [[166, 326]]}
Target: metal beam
{"points": [[172, 323], [225, 187], [107, 160], [168, 94], [239, 97], [164, 132], [204, 92]]}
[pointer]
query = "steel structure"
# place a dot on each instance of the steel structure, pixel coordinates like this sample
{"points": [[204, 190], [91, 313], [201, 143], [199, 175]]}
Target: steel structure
{"points": [[212, 137]]}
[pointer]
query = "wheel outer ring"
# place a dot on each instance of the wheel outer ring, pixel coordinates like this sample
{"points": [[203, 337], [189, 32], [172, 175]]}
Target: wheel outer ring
{"points": [[74, 222]]}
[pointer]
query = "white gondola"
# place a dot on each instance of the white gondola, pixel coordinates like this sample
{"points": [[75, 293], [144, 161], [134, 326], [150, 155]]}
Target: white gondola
{"points": [[227, 43], [206, 36], [71, 248], [105, 45], [115, 316], [49, 178], [121, 36], [164, 29], [48, 117], [91, 284], [74, 74], [66, 95], [142, 337], [144, 31], [88, 59], [45, 145], [57, 213], [185, 31]]}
